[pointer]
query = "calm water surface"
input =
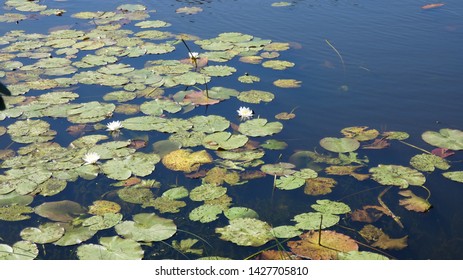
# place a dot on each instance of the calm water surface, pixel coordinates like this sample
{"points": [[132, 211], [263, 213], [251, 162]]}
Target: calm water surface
{"points": [[402, 71]]}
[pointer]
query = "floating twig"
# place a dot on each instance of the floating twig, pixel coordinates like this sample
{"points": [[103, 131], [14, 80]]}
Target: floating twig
{"points": [[381, 202]]}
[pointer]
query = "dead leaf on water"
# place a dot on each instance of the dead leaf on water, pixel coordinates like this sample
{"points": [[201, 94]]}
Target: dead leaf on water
{"points": [[413, 202]]}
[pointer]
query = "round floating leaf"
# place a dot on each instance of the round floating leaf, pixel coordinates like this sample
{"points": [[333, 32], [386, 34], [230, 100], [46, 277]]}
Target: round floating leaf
{"points": [[111, 248], [45, 233], [31, 131], [15, 212], [339, 145], [248, 79], [246, 155], [21, 250], [206, 213], [240, 212], [75, 235], [311, 220], [360, 133], [255, 96], [327, 206], [209, 124], [246, 232], [287, 83], [184, 160], [428, 162], [286, 231], [224, 140], [285, 116], [139, 164], [207, 192], [189, 10], [147, 227], [218, 70], [101, 222], [164, 147], [278, 169], [289, 183], [158, 106], [13, 197], [90, 112], [454, 176], [101, 207], [278, 64], [395, 135], [166, 205], [446, 138], [119, 96], [331, 243], [260, 127], [176, 193], [60, 211], [273, 144], [135, 194], [397, 175]]}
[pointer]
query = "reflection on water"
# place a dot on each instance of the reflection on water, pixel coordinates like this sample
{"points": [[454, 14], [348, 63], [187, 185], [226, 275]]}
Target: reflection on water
{"points": [[389, 65]]}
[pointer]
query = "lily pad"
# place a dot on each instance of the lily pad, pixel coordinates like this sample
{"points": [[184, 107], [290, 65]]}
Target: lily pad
{"points": [[74, 235], [454, 176], [397, 175], [286, 231], [15, 212], [206, 213], [45, 233], [224, 140], [278, 64], [184, 160], [185, 246], [255, 96], [273, 144], [339, 145], [312, 220], [207, 192], [428, 162], [165, 204], [139, 164], [360, 133], [111, 248], [361, 255], [31, 131], [446, 138], [60, 211], [327, 206], [278, 169], [101, 222], [147, 227], [246, 232], [218, 70], [240, 212], [101, 207], [209, 124], [260, 127], [176, 193], [289, 182], [287, 83], [21, 250]]}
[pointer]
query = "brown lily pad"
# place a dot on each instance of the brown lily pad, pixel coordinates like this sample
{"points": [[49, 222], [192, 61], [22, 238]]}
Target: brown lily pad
{"points": [[186, 161], [319, 185], [60, 211]]}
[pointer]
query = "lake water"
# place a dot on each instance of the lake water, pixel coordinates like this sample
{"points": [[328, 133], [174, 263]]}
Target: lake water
{"points": [[387, 65]]}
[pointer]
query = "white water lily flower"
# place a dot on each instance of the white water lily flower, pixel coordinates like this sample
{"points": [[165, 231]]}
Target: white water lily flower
{"points": [[114, 126], [193, 55], [91, 158], [245, 113]]}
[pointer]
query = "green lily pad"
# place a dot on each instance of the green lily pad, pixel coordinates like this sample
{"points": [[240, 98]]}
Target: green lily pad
{"points": [[74, 235], [21, 250], [13, 197], [158, 106], [287, 83], [165, 205], [176, 193], [209, 124], [15, 212], [428, 162], [255, 96], [31, 131], [311, 220], [273, 144], [45, 233], [260, 127], [454, 176], [135, 194], [397, 175], [119, 96], [240, 212], [246, 232], [289, 183], [111, 248], [185, 246], [90, 112], [139, 164], [218, 70], [147, 227], [286, 231], [278, 169], [207, 192], [248, 79], [224, 140], [101, 222], [206, 213], [446, 138], [246, 155], [395, 135], [327, 206], [278, 64], [339, 145], [221, 93]]}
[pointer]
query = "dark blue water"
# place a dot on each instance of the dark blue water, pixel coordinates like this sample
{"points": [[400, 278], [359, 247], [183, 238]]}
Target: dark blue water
{"points": [[401, 70]]}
